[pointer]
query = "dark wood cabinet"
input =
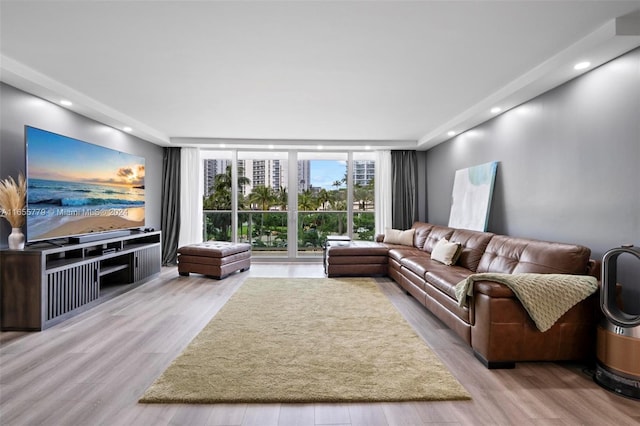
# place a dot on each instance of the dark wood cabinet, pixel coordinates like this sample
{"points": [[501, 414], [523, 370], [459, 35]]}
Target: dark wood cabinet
{"points": [[45, 284]]}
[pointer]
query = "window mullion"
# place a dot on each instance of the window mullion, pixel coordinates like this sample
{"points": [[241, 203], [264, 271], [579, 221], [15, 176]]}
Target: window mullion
{"points": [[292, 217], [350, 194], [234, 196]]}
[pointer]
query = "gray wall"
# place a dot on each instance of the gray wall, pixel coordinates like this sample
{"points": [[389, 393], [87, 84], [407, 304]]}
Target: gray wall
{"points": [[422, 185], [568, 165], [18, 109]]}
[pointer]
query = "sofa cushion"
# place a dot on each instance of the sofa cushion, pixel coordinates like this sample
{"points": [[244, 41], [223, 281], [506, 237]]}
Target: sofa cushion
{"points": [[437, 233], [422, 231], [473, 244], [398, 252], [446, 252], [445, 278], [443, 307], [396, 236], [419, 264], [511, 255]]}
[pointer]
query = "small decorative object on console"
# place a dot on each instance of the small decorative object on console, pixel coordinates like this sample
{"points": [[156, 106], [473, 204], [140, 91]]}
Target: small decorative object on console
{"points": [[12, 208]]}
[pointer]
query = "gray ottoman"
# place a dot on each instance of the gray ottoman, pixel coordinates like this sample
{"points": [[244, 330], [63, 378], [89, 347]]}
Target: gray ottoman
{"points": [[214, 258]]}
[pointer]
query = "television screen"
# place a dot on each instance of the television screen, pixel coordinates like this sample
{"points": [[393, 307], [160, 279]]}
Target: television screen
{"points": [[76, 188]]}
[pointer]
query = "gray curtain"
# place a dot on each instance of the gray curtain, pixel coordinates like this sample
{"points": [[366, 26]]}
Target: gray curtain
{"points": [[404, 189], [170, 215]]}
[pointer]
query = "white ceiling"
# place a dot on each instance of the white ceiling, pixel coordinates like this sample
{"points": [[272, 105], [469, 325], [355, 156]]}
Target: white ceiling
{"points": [[380, 73]]}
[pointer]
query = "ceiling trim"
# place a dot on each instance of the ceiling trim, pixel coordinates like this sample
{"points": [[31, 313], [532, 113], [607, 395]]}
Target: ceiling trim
{"points": [[31, 81], [298, 144], [611, 40]]}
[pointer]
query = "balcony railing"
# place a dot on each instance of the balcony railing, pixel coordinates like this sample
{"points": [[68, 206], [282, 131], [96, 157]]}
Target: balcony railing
{"points": [[315, 226], [267, 231]]}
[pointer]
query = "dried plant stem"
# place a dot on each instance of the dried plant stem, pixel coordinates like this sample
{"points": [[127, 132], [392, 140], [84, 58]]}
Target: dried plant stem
{"points": [[12, 200]]}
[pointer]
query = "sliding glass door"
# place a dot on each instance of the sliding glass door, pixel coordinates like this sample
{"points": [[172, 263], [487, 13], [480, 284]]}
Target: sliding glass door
{"points": [[364, 202], [217, 202], [322, 199], [285, 204], [263, 210]]}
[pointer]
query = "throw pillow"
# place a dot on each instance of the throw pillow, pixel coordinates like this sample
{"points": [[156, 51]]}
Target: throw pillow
{"points": [[446, 252], [396, 236]]}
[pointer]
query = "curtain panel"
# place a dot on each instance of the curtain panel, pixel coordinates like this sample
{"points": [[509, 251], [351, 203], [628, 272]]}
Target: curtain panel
{"points": [[170, 214], [190, 197], [404, 180], [383, 191]]}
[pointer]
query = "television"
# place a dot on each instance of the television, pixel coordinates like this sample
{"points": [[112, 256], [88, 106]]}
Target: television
{"points": [[76, 188]]}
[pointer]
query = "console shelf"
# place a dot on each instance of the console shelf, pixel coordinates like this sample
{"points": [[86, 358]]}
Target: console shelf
{"points": [[44, 285]]}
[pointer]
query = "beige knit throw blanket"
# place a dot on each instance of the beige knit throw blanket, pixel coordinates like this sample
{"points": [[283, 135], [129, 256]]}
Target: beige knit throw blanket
{"points": [[546, 297]]}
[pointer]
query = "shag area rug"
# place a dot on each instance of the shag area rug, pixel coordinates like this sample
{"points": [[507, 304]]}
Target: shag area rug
{"points": [[306, 340]]}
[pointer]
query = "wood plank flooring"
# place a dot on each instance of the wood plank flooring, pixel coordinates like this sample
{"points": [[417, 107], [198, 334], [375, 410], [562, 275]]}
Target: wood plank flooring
{"points": [[92, 369]]}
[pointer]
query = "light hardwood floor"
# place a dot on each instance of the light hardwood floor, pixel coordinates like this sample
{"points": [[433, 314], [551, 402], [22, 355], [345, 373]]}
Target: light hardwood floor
{"points": [[92, 369]]}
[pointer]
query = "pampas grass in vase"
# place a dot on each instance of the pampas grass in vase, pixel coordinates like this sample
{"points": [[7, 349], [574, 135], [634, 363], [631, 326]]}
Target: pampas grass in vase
{"points": [[12, 207]]}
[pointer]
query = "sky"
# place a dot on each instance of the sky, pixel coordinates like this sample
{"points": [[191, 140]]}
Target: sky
{"points": [[325, 172], [57, 157]]}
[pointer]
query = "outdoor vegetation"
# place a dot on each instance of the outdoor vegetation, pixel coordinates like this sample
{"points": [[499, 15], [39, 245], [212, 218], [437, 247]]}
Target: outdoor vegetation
{"points": [[262, 214]]}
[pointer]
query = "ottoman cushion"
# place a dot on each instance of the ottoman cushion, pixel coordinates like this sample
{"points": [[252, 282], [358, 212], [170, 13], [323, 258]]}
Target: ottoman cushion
{"points": [[214, 249], [214, 258], [356, 258]]}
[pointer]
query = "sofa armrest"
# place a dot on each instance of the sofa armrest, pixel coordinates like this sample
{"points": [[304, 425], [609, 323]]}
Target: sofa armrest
{"points": [[503, 332], [493, 289], [594, 268]]}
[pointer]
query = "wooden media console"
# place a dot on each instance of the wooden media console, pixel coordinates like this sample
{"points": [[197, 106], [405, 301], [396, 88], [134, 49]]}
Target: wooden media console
{"points": [[44, 284]]}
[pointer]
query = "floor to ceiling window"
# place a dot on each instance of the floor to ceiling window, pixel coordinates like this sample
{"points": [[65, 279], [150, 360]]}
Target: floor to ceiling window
{"points": [[285, 204], [363, 188], [263, 218], [217, 198], [322, 199]]}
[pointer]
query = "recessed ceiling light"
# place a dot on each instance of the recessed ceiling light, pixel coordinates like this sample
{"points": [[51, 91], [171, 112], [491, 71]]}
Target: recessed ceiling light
{"points": [[127, 129], [451, 133], [367, 147], [319, 146], [495, 110], [222, 145], [66, 102], [270, 146], [581, 65]]}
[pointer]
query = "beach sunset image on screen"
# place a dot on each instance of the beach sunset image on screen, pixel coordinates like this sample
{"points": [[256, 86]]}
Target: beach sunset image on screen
{"points": [[75, 187]]}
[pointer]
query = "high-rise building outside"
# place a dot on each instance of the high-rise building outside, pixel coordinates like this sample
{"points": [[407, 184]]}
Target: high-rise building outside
{"points": [[363, 172], [269, 173], [211, 169], [304, 175]]}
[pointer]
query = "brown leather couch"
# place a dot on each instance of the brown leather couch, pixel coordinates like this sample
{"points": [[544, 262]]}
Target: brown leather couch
{"points": [[495, 323]]}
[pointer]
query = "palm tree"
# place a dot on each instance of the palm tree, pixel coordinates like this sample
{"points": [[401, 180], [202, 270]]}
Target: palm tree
{"points": [[262, 196], [324, 197], [306, 201], [282, 198], [341, 206], [364, 195], [370, 195], [220, 198], [359, 194]]}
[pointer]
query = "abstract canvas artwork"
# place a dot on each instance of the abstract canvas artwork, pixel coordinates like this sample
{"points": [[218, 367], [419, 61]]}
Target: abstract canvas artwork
{"points": [[471, 198]]}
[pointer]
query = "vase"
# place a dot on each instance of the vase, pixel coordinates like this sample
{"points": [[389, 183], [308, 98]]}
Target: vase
{"points": [[16, 239]]}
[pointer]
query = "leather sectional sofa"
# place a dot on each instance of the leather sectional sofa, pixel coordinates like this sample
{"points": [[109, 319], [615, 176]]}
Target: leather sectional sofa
{"points": [[495, 324]]}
